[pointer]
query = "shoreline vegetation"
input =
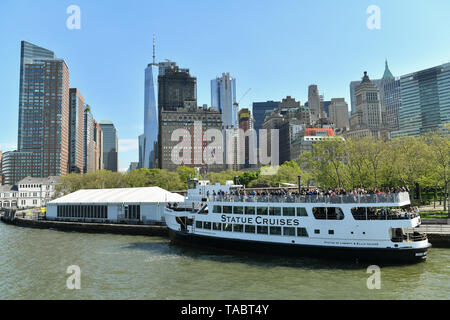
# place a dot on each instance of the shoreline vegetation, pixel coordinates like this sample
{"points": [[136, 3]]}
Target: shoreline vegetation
{"points": [[422, 164]]}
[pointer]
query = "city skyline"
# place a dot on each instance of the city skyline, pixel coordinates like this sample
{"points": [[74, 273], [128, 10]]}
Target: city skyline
{"points": [[97, 72]]}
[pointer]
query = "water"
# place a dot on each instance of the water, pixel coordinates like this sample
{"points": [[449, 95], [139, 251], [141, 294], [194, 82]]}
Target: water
{"points": [[33, 265]]}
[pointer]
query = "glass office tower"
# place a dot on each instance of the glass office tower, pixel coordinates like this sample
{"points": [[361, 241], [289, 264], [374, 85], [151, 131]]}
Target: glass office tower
{"points": [[223, 98], [148, 141], [28, 53], [425, 97], [110, 146]]}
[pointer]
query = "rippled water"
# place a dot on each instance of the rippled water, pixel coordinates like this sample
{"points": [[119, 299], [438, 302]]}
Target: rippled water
{"points": [[33, 265]]}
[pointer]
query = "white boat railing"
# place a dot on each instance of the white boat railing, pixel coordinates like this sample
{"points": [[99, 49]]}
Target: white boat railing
{"points": [[402, 197]]}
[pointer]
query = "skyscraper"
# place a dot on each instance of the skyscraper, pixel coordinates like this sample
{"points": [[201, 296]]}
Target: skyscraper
{"points": [[88, 139], [110, 146], [367, 119], [175, 86], [338, 113], [43, 135], [390, 99], [76, 132], [314, 103], [98, 141], [259, 112], [425, 99], [148, 142], [354, 85], [223, 99], [176, 91], [187, 118], [28, 53]]}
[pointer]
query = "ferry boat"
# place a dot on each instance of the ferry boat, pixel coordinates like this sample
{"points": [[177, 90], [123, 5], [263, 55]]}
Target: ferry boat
{"points": [[362, 227]]}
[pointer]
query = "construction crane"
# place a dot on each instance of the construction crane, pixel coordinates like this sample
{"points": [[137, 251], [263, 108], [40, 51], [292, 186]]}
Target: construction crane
{"points": [[237, 103]]}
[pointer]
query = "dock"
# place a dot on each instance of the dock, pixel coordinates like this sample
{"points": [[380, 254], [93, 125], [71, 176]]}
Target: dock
{"points": [[86, 227]]}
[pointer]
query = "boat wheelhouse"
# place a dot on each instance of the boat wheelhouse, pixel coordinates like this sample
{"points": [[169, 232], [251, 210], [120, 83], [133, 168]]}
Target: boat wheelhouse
{"points": [[372, 227]]}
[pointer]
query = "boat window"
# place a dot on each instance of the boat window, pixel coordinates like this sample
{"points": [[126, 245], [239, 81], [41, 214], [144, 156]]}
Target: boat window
{"points": [[301, 212], [199, 224], [249, 210], [330, 231], [227, 209], [238, 228], [275, 231], [262, 229], [249, 229], [301, 232], [383, 213], [217, 209], [238, 210], [289, 212], [275, 211], [262, 211], [228, 227], [288, 231], [217, 226], [328, 213], [207, 225], [317, 231]]}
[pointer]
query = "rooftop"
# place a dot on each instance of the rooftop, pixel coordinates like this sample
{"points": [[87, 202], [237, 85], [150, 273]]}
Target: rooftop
{"points": [[122, 195]]}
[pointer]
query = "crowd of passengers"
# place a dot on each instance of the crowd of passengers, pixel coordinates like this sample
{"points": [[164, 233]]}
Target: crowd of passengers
{"points": [[312, 192]]}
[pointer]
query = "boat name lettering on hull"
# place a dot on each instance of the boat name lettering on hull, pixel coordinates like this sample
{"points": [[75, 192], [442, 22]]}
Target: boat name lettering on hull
{"points": [[261, 221]]}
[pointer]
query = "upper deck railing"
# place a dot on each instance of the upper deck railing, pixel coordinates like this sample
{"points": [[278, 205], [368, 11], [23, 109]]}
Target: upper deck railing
{"points": [[401, 197]]}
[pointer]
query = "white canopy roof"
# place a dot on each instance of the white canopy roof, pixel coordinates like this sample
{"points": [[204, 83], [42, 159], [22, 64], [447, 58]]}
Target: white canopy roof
{"points": [[122, 195]]}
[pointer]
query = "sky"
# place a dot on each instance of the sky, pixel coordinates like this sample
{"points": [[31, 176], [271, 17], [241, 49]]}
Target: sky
{"points": [[275, 47]]}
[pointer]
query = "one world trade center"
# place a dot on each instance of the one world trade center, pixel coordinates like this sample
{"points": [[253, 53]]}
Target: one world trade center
{"points": [[149, 140]]}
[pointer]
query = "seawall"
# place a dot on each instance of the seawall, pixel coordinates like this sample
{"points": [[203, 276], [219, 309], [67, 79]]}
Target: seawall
{"points": [[124, 229]]}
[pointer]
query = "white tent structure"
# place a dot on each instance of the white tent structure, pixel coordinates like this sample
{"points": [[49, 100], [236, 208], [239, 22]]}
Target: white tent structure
{"points": [[124, 204]]}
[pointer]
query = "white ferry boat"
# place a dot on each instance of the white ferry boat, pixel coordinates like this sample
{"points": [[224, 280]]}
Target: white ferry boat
{"points": [[370, 227]]}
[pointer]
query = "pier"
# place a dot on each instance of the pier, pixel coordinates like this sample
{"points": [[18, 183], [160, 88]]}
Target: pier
{"points": [[89, 227]]}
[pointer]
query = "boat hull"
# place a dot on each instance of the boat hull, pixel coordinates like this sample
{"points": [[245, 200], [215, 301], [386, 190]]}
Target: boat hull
{"points": [[371, 255]]}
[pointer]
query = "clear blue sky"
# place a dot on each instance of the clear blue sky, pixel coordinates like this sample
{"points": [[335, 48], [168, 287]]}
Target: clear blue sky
{"points": [[277, 48]]}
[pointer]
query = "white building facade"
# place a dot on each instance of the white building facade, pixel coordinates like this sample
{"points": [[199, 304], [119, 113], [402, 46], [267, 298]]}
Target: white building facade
{"points": [[28, 193]]}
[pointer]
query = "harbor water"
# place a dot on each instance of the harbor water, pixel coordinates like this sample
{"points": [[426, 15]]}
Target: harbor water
{"points": [[34, 262]]}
